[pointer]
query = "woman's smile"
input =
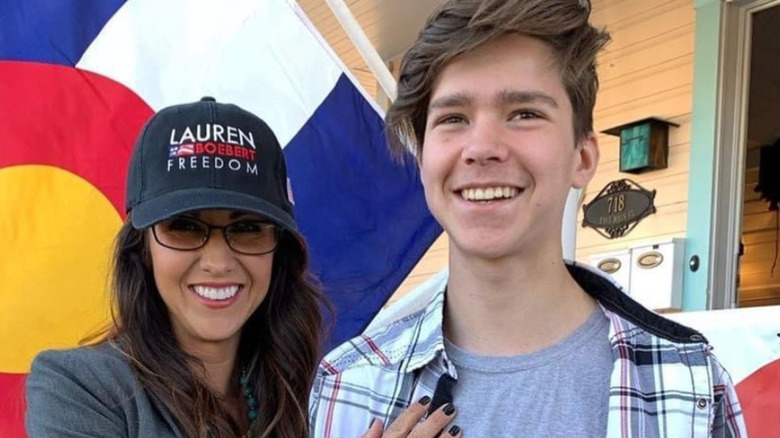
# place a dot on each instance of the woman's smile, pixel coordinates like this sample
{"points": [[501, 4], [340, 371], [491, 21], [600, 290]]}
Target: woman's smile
{"points": [[217, 295]]}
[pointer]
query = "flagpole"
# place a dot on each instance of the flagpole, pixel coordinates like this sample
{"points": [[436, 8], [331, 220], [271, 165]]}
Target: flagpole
{"points": [[367, 50]]}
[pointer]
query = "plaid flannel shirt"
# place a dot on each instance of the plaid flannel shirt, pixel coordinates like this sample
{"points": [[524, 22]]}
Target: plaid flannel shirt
{"points": [[665, 381]]}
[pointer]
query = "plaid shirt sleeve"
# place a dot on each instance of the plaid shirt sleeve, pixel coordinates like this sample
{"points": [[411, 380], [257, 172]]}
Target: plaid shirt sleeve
{"points": [[728, 421], [314, 401], [372, 376], [344, 403]]}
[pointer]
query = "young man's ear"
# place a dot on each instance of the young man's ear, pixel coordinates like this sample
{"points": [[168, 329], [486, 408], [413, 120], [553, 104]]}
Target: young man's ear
{"points": [[586, 161]]}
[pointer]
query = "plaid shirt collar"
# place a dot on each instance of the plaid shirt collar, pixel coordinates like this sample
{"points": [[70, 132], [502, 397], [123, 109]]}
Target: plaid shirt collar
{"points": [[381, 372], [416, 340], [408, 344]]}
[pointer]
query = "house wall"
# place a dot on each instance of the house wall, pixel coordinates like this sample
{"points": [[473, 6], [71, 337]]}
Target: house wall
{"points": [[647, 70]]}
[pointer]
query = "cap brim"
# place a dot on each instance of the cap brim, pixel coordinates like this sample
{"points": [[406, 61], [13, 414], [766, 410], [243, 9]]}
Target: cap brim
{"points": [[152, 211]]}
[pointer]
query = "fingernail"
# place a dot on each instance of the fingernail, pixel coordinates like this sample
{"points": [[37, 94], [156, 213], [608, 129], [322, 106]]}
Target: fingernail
{"points": [[372, 423], [449, 409], [454, 430], [425, 400]]}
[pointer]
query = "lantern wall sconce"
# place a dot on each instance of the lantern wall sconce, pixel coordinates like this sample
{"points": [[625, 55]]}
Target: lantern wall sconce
{"points": [[644, 144]]}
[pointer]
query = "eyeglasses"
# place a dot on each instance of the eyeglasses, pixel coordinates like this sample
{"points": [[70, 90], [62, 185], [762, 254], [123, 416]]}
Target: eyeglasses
{"points": [[250, 237]]}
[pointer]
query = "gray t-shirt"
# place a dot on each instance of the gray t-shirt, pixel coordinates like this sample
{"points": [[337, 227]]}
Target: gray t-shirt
{"points": [[561, 391]]}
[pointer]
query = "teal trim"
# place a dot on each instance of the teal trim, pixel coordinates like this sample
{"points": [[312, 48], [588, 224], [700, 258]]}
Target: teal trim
{"points": [[699, 3], [702, 161]]}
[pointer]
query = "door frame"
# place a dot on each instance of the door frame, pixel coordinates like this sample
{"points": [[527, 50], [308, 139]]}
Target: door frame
{"points": [[731, 148]]}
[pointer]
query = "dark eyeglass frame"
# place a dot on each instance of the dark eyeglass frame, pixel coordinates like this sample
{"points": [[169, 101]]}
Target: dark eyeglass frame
{"points": [[225, 234]]}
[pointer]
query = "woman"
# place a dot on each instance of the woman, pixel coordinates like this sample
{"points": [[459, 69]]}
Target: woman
{"points": [[216, 325]]}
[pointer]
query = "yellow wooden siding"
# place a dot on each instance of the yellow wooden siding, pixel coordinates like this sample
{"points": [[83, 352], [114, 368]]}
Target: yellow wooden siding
{"points": [[326, 23], [367, 81], [647, 70]]}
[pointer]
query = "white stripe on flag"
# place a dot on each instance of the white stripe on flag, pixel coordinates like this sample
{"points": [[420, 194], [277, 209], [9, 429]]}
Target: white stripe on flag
{"points": [[256, 54]]}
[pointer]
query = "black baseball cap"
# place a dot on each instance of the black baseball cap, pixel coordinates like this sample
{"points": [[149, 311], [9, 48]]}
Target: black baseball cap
{"points": [[207, 155]]}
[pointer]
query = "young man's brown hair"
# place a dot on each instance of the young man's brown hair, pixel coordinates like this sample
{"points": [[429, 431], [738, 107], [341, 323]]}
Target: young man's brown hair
{"points": [[460, 26]]}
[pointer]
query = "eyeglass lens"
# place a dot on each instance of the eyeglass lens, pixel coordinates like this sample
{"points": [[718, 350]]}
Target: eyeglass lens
{"points": [[244, 236]]}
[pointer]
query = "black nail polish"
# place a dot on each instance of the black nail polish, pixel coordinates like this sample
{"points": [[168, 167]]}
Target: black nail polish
{"points": [[425, 400], [454, 430], [449, 409]]}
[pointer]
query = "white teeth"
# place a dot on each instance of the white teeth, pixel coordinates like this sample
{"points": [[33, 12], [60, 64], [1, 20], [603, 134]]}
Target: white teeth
{"points": [[212, 293], [489, 193]]}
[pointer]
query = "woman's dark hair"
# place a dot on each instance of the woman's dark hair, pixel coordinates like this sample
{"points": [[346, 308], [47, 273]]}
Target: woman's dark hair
{"points": [[279, 343]]}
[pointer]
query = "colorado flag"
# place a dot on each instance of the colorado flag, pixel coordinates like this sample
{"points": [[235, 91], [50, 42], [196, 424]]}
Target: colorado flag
{"points": [[77, 81]]}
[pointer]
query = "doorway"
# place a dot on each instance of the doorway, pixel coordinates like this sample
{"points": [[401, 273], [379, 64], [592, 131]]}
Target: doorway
{"points": [[744, 235], [759, 279]]}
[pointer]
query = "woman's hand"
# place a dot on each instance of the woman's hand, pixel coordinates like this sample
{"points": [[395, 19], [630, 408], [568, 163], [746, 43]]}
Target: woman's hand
{"points": [[407, 424]]}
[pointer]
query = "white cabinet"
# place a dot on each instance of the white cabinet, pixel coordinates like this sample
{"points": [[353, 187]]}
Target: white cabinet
{"points": [[617, 264], [657, 274], [651, 273]]}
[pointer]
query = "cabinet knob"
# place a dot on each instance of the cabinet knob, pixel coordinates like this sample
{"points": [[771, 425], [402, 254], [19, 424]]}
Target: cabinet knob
{"points": [[694, 263]]}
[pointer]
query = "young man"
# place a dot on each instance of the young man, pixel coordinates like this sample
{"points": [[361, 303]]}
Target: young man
{"points": [[496, 99]]}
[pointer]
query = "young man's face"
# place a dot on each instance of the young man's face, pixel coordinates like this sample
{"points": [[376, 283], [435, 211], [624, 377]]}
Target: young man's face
{"points": [[499, 155]]}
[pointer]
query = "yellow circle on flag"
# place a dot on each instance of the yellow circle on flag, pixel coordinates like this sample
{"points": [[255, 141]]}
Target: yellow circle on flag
{"points": [[56, 230]]}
